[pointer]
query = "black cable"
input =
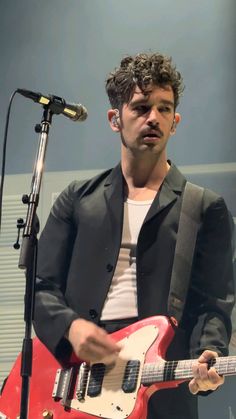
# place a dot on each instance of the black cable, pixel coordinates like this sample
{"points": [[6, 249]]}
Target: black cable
{"points": [[4, 154]]}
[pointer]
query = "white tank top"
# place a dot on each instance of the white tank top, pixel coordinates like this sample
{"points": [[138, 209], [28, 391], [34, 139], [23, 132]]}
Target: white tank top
{"points": [[121, 301]]}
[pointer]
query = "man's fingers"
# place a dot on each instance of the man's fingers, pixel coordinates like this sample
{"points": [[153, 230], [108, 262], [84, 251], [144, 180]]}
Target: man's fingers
{"points": [[204, 379], [207, 355], [193, 386], [101, 339], [95, 350], [90, 342], [202, 372], [106, 342], [103, 347], [215, 378]]}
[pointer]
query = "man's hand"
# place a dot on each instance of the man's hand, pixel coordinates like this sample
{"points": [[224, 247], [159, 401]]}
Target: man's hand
{"points": [[205, 379], [91, 343]]}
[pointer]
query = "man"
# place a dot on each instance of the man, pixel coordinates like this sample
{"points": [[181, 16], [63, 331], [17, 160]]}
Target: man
{"points": [[106, 253]]}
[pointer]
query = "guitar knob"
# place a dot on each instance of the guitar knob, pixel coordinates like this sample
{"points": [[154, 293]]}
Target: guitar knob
{"points": [[47, 414]]}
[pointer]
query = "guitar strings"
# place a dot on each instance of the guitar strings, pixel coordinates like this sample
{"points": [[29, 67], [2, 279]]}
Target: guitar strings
{"points": [[157, 373]]}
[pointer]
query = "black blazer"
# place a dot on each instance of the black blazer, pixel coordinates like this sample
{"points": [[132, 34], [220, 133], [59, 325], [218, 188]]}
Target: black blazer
{"points": [[79, 247]]}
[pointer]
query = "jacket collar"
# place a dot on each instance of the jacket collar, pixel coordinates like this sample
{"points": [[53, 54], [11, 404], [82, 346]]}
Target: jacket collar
{"points": [[174, 179], [171, 188], [115, 176]]}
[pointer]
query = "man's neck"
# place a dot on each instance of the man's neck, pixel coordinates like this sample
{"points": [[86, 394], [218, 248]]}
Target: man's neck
{"points": [[144, 178]]}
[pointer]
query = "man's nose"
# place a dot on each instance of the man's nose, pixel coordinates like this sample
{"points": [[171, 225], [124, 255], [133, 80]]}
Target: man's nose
{"points": [[153, 117]]}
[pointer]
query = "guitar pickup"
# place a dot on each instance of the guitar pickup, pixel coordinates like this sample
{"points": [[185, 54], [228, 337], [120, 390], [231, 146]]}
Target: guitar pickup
{"points": [[96, 378], [82, 381], [131, 376]]}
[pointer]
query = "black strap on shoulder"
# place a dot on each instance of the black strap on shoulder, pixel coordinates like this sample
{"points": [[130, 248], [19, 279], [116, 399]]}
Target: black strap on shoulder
{"points": [[189, 222]]}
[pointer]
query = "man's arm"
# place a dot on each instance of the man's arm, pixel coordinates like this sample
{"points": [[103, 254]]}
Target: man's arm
{"points": [[211, 295], [52, 316]]}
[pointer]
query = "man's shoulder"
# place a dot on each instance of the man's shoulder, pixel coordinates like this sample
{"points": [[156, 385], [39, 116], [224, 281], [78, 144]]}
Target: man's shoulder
{"points": [[75, 191], [210, 198], [208, 194], [78, 187]]}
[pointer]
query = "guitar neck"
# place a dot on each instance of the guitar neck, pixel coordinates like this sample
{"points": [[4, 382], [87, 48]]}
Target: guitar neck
{"points": [[182, 370]]}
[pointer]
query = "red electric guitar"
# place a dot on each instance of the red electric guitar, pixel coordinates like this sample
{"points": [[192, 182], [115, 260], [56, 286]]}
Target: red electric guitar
{"points": [[77, 391]]}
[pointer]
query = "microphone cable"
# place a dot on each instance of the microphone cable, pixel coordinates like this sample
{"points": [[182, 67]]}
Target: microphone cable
{"points": [[4, 153]]}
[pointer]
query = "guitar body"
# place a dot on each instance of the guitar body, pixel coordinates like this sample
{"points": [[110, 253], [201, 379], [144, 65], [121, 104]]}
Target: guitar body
{"points": [[143, 342]]}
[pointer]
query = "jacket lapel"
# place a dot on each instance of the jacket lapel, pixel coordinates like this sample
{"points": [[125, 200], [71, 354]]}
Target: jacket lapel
{"points": [[113, 193], [171, 188]]}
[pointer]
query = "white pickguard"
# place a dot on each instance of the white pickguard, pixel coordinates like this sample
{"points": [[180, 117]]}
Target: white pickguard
{"points": [[112, 402]]}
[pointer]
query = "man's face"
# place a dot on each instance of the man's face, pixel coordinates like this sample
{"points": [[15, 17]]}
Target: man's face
{"points": [[146, 122]]}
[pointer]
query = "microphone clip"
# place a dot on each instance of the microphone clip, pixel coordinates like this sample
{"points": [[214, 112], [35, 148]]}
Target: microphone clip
{"points": [[56, 104], [20, 224]]}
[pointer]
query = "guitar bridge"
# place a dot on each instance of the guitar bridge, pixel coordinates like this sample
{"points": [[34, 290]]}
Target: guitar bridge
{"points": [[62, 385]]}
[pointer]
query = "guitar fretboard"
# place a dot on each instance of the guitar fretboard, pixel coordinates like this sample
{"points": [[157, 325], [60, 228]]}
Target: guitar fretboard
{"points": [[182, 370]]}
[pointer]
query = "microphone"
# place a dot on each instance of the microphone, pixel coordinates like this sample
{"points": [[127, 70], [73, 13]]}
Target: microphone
{"points": [[76, 112]]}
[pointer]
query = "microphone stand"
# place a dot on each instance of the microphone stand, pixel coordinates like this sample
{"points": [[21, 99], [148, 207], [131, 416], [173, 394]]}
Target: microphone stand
{"points": [[28, 258]]}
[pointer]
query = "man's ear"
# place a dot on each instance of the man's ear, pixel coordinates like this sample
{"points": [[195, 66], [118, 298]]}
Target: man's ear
{"points": [[176, 121], [114, 119]]}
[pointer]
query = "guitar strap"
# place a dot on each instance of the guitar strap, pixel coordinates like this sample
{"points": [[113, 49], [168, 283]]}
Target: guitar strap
{"points": [[189, 223]]}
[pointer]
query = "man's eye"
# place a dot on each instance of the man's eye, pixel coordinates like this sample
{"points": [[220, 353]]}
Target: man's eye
{"points": [[141, 109], [165, 109]]}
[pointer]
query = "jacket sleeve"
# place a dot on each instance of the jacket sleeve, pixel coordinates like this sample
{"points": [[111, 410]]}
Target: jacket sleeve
{"points": [[211, 296], [52, 316]]}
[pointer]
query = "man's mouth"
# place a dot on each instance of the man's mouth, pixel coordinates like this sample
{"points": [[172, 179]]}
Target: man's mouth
{"points": [[149, 136]]}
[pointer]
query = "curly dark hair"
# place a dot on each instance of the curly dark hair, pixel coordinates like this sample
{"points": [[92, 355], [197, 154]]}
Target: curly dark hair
{"points": [[142, 70]]}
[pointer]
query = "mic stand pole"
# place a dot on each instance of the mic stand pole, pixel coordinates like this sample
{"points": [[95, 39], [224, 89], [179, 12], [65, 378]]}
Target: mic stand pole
{"points": [[28, 259]]}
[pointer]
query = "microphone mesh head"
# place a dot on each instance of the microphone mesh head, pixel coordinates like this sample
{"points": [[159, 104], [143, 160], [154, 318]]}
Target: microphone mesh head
{"points": [[82, 113]]}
